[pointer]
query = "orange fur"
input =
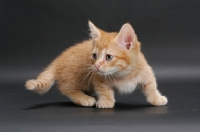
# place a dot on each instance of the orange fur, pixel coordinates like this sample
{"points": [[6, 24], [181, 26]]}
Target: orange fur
{"points": [[119, 65]]}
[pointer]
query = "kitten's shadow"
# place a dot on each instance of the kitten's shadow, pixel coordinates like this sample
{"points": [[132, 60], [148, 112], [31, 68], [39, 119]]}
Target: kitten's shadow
{"points": [[55, 104], [119, 107]]}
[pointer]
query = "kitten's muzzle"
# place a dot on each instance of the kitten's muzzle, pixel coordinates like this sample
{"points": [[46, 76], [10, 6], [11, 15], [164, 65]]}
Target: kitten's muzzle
{"points": [[97, 67]]}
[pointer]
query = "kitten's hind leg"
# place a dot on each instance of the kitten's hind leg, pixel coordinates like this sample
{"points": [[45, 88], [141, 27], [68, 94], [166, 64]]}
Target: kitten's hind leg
{"points": [[78, 97], [152, 94]]}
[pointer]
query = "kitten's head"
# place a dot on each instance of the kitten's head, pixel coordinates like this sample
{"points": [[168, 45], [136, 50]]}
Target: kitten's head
{"points": [[114, 53]]}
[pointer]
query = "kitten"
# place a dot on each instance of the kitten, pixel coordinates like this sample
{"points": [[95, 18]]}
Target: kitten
{"points": [[107, 62]]}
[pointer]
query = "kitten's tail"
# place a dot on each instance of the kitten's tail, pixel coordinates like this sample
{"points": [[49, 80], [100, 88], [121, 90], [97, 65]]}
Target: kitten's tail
{"points": [[43, 82]]}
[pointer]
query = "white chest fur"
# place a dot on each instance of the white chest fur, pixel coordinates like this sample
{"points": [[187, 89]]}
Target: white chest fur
{"points": [[125, 87]]}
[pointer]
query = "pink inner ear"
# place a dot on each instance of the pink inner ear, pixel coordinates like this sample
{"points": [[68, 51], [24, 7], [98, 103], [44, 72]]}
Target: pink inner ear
{"points": [[128, 42], [128, 39]]}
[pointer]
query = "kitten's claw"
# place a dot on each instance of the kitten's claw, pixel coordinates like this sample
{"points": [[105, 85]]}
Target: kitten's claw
{"points": [[157, 101], [105, 104]]}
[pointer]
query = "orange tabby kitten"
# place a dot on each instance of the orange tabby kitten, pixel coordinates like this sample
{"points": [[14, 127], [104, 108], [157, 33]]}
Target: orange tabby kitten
{"points": [[107, 62]]}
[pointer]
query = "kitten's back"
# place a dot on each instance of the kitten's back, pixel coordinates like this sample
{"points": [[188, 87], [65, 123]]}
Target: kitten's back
{"points": [[69, 68]]}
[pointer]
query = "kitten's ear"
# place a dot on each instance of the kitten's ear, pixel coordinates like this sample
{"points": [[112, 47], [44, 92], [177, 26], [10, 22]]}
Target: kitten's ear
{"points": [[126, 36], [94, 31]]}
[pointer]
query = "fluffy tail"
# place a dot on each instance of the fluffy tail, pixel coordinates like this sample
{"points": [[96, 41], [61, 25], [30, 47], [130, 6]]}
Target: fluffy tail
{"points": [[43, 82]]}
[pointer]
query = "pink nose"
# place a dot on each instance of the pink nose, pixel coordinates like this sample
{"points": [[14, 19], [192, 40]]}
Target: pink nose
{"points": [[97, 67]]}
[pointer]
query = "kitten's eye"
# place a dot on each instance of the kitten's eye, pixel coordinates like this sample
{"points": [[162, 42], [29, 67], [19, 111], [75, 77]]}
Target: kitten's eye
{"points": [[94, 56], [109, 57]]}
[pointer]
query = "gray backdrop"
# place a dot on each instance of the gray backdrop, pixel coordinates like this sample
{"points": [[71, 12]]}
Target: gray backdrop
{"points": [[34, 32]]}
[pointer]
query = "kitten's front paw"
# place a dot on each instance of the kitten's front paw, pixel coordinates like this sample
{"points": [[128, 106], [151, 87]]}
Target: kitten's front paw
{"points": [[157, 101], [90, 101], [105, 103]]}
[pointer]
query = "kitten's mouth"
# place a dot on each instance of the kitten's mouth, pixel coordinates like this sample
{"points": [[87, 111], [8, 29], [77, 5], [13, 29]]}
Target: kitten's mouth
{"points": [[102, 73], [98, 71]]}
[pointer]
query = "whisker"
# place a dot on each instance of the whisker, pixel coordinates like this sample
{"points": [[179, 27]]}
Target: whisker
{"points": [[90, 79], [85, 32], [87, 70], [84, 70], [106, 78], [113, 78], [85, 77]]}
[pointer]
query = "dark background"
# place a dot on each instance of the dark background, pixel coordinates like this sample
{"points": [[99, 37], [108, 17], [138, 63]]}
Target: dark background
{"points": [[34, 32]]}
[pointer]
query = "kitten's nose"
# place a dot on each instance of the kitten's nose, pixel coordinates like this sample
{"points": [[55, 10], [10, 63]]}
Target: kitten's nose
{"points": [[97, 67]]}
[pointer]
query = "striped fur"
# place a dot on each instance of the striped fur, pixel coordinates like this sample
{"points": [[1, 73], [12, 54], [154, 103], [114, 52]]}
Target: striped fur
{"points": [[43, 82]]}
